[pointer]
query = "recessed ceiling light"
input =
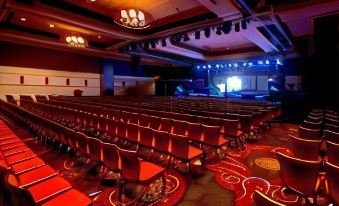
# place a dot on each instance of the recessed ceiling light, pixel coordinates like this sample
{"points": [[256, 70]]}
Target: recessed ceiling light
{"points": [[227, 48], [23, 19], [99, 37], [51, 25], [92, 0]]}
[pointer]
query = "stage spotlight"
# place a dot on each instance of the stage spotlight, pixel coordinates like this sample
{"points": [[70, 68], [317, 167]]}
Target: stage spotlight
{"points": [[267, 62], [250, 64], [209, 66], [260, 62], [207, 32], [163, 42], [226, 27], [243, 24], [186, 37], [153, 44], [146, 45], [204, 67], [218, 32], [230, 65], [133, 46], [217, 66], [237, 27], [198, 67], [197, 34]]}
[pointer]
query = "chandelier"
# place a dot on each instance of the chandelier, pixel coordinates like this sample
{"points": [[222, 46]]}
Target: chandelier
{"points": [[76, 41], [132, 18]]}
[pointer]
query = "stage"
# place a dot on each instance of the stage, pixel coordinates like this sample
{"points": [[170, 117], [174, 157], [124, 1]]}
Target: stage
{"points": [[259, 95]]}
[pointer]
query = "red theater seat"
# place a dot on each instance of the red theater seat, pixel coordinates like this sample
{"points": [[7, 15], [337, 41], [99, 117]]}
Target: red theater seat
{"points": [[332, 174], [36, 175], [305, 149], [9, 146], [212, 136], [110, 156], [27, 165], [136, 170], [15, 150], [332, 152], [10, 141], [73, 197], [20, 157], [300, 176], [48, 188], [181, 149]]}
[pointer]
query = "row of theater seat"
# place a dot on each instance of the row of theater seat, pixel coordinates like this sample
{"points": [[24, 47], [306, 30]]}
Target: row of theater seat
{"points": [[129, 129], [200, 106], [111, 156], [251, 122], [307, 173], [175, 145], [28, 180]]}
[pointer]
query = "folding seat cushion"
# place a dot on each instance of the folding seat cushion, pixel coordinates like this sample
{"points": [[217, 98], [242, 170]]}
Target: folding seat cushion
{"points": [[27, 165], [15, 150], [9, 146], [10, 141], [36, 175], [20, 157], [77, 198], [7, 137], [48, 188]]}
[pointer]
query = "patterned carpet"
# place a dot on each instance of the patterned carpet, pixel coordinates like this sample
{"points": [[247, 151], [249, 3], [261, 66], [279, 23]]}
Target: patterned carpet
{"points": [[256, 168]]}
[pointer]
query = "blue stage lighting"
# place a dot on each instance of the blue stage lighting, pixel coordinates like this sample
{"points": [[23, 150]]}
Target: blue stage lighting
{"points": [[198, 67], [209, 66], [204, 67], [250, 64], [260, 62], [267, 62]]}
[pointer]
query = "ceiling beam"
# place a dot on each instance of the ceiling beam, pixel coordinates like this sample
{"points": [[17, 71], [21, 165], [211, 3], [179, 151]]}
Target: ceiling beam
{"points": [[44, 42], [221, 8]]}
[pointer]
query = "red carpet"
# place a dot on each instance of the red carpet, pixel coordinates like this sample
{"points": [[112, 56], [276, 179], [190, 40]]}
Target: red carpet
{"points": [[236, 171]]}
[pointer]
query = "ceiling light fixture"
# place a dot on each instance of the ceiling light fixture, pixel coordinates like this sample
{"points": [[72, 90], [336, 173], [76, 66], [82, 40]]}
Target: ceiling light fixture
{"points": [[76, 41], [132, 18], [23, 19], [51, 25]]}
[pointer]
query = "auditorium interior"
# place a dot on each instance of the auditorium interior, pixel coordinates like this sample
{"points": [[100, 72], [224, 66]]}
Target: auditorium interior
{"points": [[169, 102]]}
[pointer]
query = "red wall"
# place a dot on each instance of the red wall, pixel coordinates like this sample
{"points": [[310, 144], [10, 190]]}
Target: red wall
{"points": [[33, 57]]}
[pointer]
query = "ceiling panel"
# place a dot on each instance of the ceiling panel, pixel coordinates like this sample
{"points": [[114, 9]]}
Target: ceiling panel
{"points": [[157, 8], [59, 28]]}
